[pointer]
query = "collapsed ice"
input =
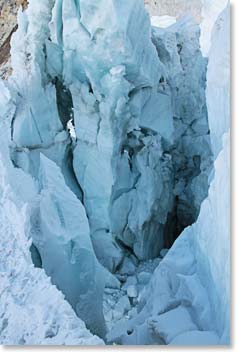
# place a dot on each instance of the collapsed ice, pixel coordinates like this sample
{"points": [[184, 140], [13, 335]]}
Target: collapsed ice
{"points": [[110, 121]]}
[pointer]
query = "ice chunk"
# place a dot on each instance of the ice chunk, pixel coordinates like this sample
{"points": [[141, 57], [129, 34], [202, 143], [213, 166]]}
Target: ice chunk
{"points": [[132, 291], [196, 338], [127, 267], [33, 311], [143, 277], [163, 252], [65, 247], [131, 280], [121, 308], [173, 323]]}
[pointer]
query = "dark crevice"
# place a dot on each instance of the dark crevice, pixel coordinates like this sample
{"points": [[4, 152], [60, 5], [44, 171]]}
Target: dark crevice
{"points": [[64, 102], [70, 176], [187, 165], [35, 256]]}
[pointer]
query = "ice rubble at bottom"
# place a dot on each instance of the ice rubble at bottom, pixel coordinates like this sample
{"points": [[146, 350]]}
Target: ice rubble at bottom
{"points": [[186, 300], [174, 307]]}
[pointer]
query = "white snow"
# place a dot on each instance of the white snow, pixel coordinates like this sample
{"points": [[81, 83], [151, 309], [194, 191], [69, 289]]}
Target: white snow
{"points": [[210, 12], [162, 21]]}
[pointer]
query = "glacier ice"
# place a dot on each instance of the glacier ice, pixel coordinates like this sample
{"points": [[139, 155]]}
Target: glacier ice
{"points": [[178, 50], [123, 116], [218, 82], [187, 300], [40, 146], [60, 230], [33, 311], [132, 131], [112, 129]]}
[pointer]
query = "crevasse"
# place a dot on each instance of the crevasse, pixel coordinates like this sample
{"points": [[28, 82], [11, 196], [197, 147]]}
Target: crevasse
{"points": [[112, 122]]}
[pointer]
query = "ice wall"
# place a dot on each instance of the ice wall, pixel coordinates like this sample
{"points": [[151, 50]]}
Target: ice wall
{"points": [[41, 146], [218, 81], [188, 299], [32, 310], [128, 121], [211, 9], [112, 73], [110, 121], [178, 48], [214, 244]]}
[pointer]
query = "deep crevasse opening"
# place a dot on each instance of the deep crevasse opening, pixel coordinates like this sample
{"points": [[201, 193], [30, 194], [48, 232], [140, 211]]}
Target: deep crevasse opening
{"points": [[134, 174]]}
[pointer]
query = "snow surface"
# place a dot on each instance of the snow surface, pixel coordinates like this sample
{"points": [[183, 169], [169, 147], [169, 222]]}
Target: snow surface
{"points": [[162, 21], [210, 12]]}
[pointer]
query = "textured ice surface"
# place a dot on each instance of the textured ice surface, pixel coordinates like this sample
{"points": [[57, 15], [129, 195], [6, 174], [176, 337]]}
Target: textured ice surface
{"points": [[41, 146], [210, 12], [218, 81], [189, 286], [187, 300], [32, 310], [60, 230], [113, 156], [120, 120], [185, 75], [134, 119]]}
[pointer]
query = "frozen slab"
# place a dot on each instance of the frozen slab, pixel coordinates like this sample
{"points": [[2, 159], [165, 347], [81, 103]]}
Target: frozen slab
{"points": [[33, 311], [211, 9], [196, 338], [173, 323], [218, 80], [37, 95], [113, 76], [60, 231], [179, 50]]}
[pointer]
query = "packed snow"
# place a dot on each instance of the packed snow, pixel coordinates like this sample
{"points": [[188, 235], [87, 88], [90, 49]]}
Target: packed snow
{"points": [[114, 151]]}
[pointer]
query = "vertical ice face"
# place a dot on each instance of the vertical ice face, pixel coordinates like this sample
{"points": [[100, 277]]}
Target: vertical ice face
{"points": [[211, 10], [188, 299], [185, 71], [213, 231], [110, 119], [41, 146], [33, 311], [218, 81], [128, 165], [122, 115], [60, 231]]}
